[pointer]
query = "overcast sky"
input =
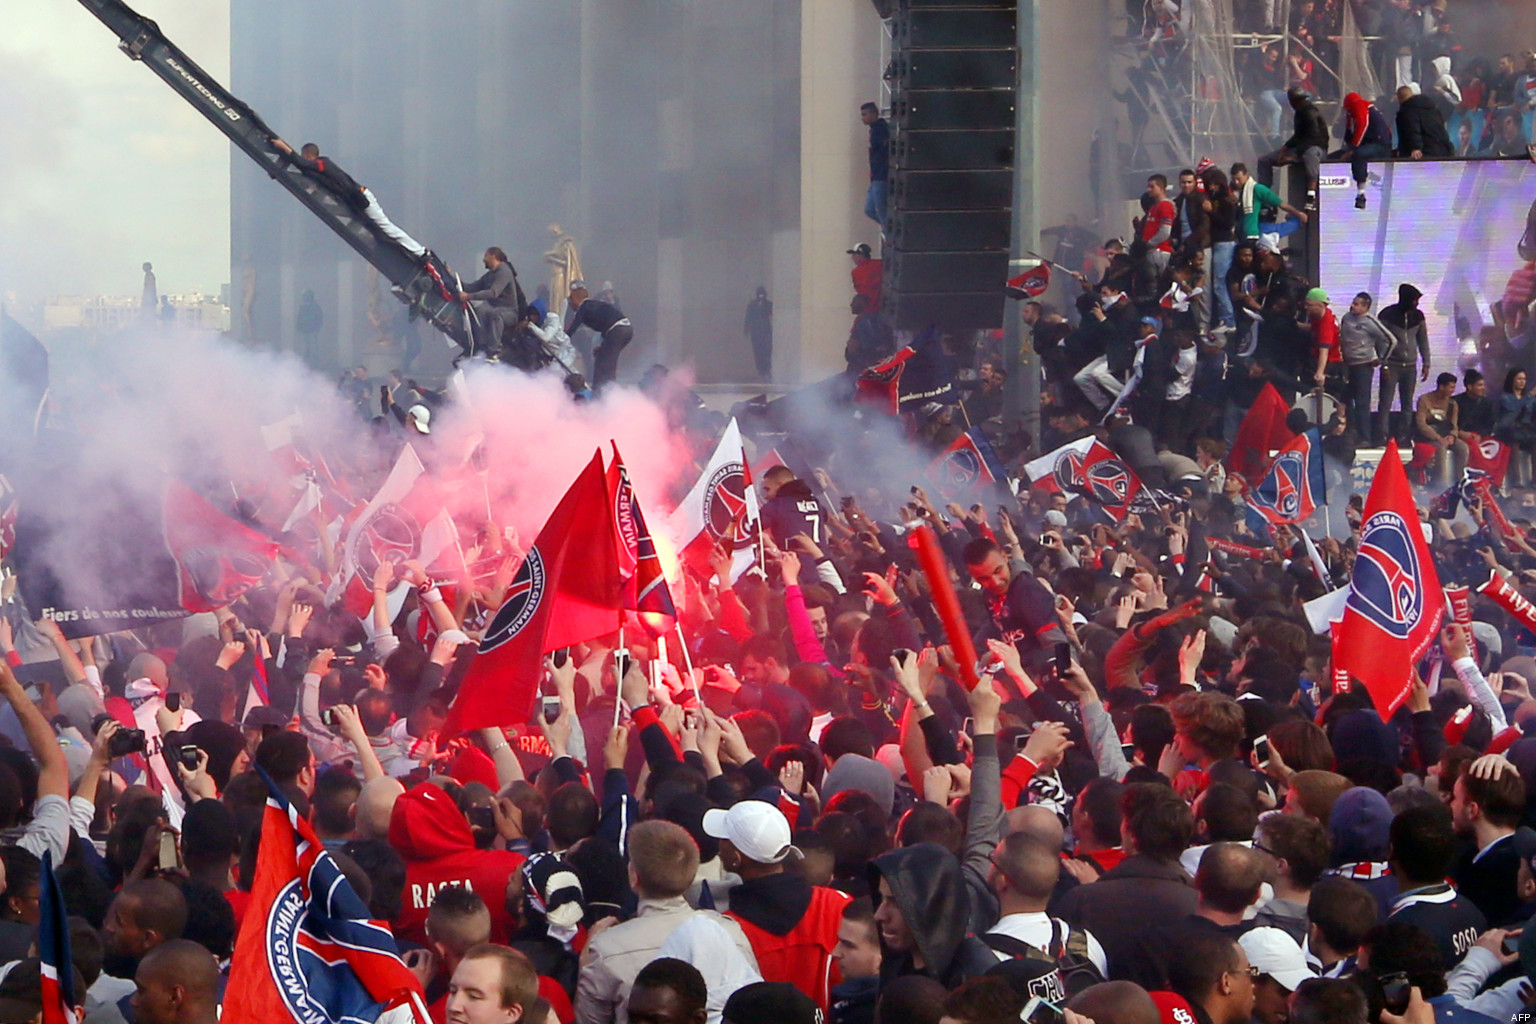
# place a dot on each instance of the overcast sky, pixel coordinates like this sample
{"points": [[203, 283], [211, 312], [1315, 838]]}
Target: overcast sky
{"points": [[102, 166]]}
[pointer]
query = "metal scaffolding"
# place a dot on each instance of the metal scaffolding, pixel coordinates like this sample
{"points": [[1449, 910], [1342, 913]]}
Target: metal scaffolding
{"points": [[1183, 98]]}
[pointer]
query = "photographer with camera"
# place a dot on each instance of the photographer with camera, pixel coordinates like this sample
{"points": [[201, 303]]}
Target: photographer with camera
{"points": [[111, 742]]}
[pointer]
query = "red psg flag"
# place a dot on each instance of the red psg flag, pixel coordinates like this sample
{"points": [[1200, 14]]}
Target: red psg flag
{"points": [[1031, 284], [1395, 602], [217, 558], [645, 586], [567, 591], [1294, 485]]}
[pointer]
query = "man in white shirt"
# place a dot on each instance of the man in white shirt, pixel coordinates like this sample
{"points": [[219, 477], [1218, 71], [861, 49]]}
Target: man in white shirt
{"points": [[1024, 874]]}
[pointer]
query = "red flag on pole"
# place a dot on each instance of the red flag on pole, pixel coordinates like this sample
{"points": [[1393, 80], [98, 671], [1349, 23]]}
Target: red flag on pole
{"points": [[1263, 430], [645, 587], [567, 591], [1031, 284], [217, 558], [1395, 601]]}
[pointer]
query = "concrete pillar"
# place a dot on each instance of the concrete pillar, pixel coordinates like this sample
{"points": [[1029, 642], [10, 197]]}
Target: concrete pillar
{"points": [[840, 69]]}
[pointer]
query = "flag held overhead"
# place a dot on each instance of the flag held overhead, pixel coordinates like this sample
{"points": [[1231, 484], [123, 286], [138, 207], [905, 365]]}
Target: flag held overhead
{"points": [[1395, 601]]}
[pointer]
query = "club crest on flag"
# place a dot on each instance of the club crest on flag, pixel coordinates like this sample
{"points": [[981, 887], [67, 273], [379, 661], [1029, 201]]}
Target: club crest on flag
{"points": [[960, 469], [220, 575], [524, 596], [390, 533], [725, 501], [1108, 481], [1386, 588], [1288, 469], [293, 949], [1068, 472]]}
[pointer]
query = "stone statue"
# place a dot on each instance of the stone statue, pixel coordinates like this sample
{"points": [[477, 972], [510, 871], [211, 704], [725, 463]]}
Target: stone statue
{"points": [[564, 266]]}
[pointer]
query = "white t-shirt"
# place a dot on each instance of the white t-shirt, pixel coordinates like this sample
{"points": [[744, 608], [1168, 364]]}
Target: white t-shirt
{"points": [[1184, 374], [1036, 929]]}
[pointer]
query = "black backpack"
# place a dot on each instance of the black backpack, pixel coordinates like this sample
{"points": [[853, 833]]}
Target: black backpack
{"points": [[1068, 955]]}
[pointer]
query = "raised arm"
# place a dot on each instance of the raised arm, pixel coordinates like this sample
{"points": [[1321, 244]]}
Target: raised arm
{"points": [[74, 668], [431, 597], [508, 768], [351, 728], [52, 769]]}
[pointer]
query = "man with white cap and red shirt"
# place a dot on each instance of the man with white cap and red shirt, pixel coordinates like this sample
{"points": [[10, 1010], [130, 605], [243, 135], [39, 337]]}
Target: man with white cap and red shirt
{"points": [[1282, 968], [791, 924]]}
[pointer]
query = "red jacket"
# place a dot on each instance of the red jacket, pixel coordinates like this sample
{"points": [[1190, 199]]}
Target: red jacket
{"points": [[867, 280], [803, 956], [433, 836]]}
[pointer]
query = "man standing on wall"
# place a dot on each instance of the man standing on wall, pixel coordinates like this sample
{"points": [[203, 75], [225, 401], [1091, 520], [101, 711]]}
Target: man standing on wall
{"points": [[879, 162]]}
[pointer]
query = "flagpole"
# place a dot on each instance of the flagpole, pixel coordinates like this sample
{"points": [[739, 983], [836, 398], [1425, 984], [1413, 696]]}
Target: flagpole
{"points": [[682, 642], [620, 656], [1052, 263]]}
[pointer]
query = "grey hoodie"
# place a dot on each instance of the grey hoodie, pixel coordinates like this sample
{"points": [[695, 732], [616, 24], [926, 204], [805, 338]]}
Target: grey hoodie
{"points": [[1363, 339]]}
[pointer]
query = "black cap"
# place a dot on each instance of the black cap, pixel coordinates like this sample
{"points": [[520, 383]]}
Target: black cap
{"points": [[862, 249], [264, 717], [770, 1002]]}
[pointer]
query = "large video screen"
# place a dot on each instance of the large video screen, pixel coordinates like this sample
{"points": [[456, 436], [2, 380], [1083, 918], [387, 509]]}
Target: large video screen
{"points": [[1462, 232]]}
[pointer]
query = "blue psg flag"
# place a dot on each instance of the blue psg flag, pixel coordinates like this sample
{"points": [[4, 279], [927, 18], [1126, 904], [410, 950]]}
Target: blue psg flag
{"points": [[1293, 487]]}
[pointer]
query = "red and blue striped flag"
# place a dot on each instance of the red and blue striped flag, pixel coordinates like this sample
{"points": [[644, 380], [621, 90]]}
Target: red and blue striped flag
{"points": [[59, 995], [307, 950]]}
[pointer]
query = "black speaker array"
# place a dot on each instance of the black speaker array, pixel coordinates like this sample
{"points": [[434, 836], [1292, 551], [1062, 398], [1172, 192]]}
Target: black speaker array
{"points": [[954, 88]]}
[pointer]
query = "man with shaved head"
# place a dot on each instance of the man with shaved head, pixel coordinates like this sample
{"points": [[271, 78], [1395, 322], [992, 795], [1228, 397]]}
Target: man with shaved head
{"points": [[1023, 876], [375, 803], [457, 922], [177, 983], [1123, 1002], [1038, 822]]}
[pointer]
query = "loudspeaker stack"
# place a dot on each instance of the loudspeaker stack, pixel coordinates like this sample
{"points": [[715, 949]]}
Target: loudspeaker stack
{"points": [[954, 87]]}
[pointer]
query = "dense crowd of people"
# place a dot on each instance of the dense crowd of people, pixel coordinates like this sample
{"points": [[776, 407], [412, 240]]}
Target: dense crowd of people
{"points": [[1157, 804], [1150, 796]]}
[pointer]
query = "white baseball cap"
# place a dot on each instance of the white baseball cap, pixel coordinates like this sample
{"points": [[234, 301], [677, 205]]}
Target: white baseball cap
{"points": [[1276, 954], [422, 417], [759, 830]]}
